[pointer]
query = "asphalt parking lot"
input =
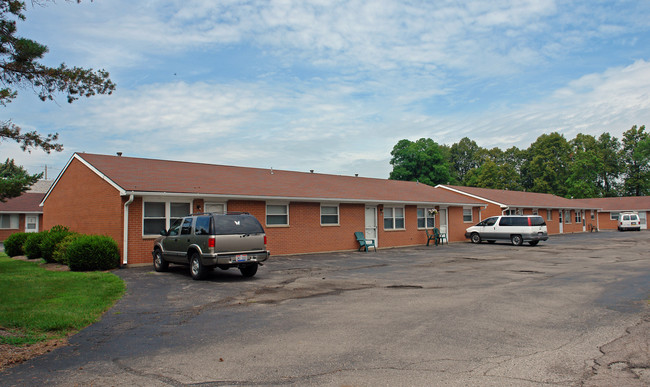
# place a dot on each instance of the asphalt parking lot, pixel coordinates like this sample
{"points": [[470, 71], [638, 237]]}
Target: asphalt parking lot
{"points": [[570, 311]]}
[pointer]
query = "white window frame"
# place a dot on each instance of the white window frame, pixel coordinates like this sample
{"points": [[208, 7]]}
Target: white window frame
{"points": [[338, 214], [578, 216], [394, 218], [535, 211], [224, 204], [276, 204], [614, 215], [168, 217], [14, 221], [567, 217], [549, 214], [426, 218], [471, 215]]}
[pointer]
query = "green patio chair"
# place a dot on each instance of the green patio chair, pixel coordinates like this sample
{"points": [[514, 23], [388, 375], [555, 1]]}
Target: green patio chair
{"points": [[363, 242]]}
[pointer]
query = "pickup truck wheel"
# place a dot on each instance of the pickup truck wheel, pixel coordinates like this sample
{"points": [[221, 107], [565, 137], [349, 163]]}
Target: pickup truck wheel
{"points": [[197, 270], [475, 238], [533, 243], [159, 263], [248, 270], [517, 240]]}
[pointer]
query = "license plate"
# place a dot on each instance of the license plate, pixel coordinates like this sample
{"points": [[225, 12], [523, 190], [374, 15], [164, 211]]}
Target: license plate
{"points": [[241, 257]]}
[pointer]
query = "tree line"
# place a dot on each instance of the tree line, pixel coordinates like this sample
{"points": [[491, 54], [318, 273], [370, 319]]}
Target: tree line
{"points": [[583, 167]]}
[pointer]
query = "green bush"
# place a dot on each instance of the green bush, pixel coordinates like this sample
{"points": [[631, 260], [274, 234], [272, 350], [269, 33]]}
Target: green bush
{"points": [[93, 252], [14, 244], [59, 227], [32, 246], [59, 255], [50, 241]]}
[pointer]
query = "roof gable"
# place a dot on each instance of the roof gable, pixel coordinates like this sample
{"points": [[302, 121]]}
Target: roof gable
{"points": [[506, 198]]}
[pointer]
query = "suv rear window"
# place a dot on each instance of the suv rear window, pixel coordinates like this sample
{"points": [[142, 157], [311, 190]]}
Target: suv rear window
{"points": [[236, 224]]}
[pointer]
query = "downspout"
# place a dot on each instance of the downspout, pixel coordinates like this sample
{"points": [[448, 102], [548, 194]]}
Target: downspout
{"points": [[125, 242]]}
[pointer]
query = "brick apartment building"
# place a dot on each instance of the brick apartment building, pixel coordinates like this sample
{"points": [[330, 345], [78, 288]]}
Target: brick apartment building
{"points": [[132, 199]]}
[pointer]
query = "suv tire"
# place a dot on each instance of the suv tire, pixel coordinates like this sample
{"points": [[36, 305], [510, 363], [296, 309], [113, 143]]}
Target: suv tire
{"points": [[159, 263], [248, 270], [475, 238], [197, 270]]}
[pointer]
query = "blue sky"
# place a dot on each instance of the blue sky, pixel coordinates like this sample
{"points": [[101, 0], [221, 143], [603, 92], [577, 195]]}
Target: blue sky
{"points": [[334, 85]]}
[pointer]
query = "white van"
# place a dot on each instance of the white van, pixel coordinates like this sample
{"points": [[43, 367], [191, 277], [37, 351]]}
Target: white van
{"points": [[517, 229], [629, 221]]}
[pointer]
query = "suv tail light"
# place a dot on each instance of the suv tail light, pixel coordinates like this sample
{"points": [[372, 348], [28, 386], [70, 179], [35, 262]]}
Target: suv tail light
{"points": [[211, 242], [264, 241]]}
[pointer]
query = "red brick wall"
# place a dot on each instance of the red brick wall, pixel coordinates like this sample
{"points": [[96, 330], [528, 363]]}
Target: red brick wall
{"points": [[4, 233], [605, 223], [85, 203]]}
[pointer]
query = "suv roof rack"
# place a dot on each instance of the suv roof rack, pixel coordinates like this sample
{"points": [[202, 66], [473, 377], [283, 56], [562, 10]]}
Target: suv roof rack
{"points": [[220, 213]]}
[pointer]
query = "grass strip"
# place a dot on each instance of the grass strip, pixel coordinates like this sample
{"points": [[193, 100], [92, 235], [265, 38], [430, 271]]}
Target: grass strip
{"points": [[37, 304]]}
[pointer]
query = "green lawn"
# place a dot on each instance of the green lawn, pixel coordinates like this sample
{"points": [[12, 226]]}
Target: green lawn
{"points": [[38, 304]]}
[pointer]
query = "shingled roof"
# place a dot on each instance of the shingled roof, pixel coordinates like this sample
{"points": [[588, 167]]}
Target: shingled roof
{"points": [[506, 198], [618, 204], [28, 202], [131, 175]]}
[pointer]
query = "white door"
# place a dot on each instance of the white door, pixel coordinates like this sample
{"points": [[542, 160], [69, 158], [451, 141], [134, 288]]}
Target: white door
{"points": [[31, 223], [584, 222], [371, 223], [443, 220], [644, 220], [561, 220], [218, 208]]}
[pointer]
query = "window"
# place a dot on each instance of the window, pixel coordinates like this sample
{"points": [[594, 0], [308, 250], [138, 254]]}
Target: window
{"points": [[592, 215], [578, 216], [535, 212], [567, 216], [277, 214], [186, 228], [202, 226], [393, 218], [549, 214], [175, 228], [158, 215], [329, 215], [426, 217], [468, 216], [613, 215], [9, 221]]}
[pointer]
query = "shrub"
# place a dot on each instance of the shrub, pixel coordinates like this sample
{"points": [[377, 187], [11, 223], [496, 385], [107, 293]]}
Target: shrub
{"points": [[32, 246], [59, 254], [14, 244], [50, 241], [93, 252], [59, 227]]}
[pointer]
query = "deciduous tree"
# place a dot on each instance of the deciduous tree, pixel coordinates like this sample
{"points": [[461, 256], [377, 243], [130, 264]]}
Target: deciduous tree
{"points": [[422, 160]]}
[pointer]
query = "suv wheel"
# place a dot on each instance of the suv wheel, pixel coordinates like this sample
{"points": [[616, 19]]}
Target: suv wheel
{"points": [[475, 238], [517, 240], [248, 270], [159, 263], [197, 270]]}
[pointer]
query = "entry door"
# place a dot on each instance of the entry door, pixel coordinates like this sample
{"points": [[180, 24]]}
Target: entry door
{"points": [[644, 220], [561, 220], [31, 223], [443, 220], [371, 223]]}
